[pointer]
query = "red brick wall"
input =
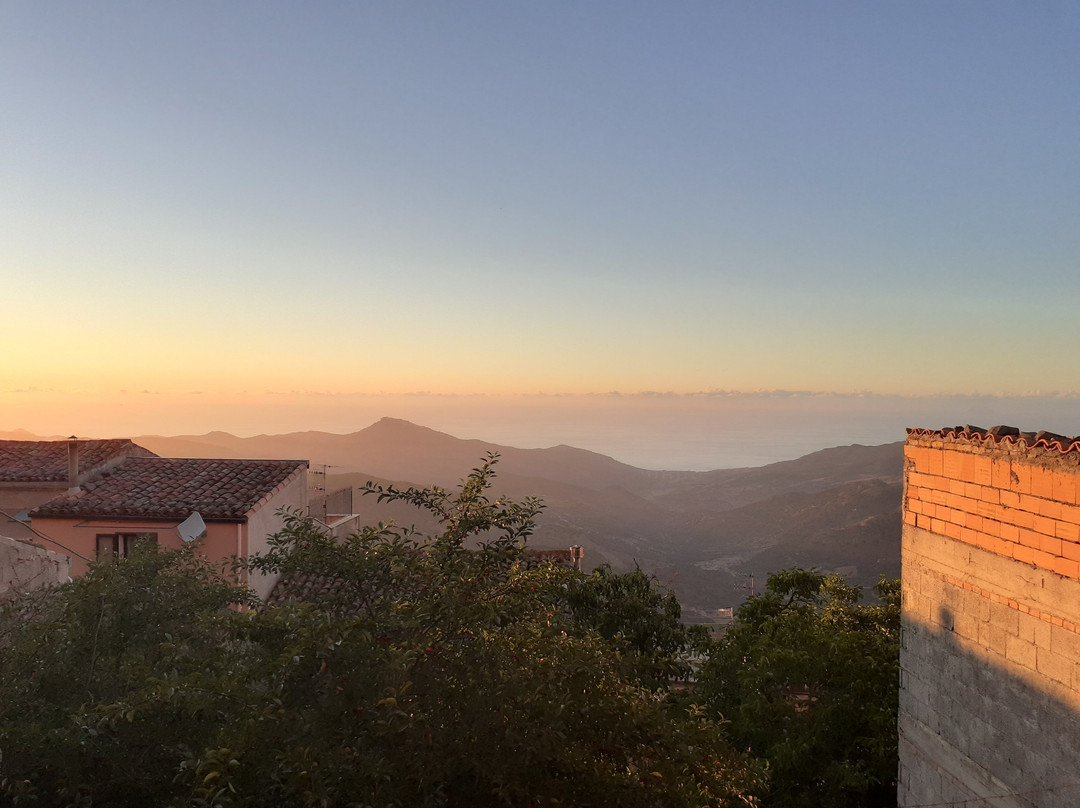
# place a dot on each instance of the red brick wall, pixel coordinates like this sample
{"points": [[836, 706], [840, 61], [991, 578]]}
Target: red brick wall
{"points": [[1014, 496]]}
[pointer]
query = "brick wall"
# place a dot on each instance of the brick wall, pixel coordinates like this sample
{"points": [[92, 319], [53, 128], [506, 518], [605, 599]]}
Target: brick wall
{"points": [[990, 656], [998, 494]]}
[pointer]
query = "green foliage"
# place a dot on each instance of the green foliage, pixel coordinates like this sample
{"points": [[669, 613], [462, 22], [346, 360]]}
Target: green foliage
{"points": [[102, 681], [421, 674], [808, 678], [637, 615]]}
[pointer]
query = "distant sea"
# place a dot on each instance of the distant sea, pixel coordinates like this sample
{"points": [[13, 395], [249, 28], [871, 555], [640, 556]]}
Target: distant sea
{"points": [[696, 432], [712, 431], [690, 445]]}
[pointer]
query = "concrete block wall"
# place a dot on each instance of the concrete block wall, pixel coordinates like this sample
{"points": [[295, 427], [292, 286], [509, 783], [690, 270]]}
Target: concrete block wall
{"points": [[990, 652]]}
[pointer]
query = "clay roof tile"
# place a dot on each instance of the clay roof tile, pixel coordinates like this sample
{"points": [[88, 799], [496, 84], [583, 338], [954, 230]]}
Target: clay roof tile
{"points": [[171, 488], [46, 461], [1003, 436]]}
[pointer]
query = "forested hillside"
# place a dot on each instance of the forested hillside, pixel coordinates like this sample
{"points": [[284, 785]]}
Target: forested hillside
{"points": [[702, 533]]}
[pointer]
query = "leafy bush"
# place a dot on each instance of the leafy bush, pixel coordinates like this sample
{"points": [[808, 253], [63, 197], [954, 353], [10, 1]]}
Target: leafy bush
{"points": [[636, 615], [413, 672], [808, 678]]}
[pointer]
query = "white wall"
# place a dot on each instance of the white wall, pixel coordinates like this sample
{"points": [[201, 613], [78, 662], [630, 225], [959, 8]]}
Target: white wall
{"points": [[24, 567], [265, 520]]}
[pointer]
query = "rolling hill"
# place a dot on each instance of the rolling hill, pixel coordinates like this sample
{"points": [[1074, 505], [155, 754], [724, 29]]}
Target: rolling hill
{"points": [[703, 533]]}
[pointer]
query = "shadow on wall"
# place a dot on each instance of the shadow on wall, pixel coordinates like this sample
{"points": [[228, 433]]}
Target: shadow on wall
{"points": [[959, 705]]}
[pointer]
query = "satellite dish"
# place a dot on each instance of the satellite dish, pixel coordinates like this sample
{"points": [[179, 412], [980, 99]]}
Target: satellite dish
{"points": [[192, 528]]}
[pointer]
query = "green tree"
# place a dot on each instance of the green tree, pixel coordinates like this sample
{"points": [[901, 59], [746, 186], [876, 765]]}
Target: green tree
{"points": [[109, 681], [808, 678], [638, 616], [412, 672]]}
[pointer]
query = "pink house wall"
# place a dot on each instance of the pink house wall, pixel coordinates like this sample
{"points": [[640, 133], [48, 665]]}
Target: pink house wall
{"points": [[78, 536]]}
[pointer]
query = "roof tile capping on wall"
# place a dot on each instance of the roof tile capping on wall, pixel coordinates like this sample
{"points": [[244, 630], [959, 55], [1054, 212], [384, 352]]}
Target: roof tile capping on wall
{"points": [[990, 651], [1011, 493]]}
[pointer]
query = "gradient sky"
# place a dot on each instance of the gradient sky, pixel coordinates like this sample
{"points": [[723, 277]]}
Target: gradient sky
{"points": [[557, 197]]}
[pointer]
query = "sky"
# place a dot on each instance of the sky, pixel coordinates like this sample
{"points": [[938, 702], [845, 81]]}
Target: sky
{"points": [[481, 203]]}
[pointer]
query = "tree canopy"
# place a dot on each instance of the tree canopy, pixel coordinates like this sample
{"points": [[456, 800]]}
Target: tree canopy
{"points": [[807, 678], [413, 672]]}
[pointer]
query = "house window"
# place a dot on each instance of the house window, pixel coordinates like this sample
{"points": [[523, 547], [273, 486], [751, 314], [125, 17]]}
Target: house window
{"points": [[120, 545]]}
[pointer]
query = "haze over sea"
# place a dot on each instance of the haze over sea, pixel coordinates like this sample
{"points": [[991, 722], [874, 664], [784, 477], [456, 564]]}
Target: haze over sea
{"points": [[694, 432], [715, 430]]}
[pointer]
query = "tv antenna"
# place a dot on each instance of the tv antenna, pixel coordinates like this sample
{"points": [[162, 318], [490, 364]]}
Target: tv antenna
{"points": [[749, 585]]}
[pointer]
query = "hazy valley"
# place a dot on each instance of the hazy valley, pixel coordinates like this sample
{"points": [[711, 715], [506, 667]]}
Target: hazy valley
{"points": [[702, 533]]}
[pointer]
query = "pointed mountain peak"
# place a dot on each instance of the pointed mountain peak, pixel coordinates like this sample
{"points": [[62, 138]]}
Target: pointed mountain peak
{"points": [[388, 425]]}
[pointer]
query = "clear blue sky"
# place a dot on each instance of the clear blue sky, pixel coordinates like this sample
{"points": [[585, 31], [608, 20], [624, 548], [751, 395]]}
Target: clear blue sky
{"points": [[563, 197]]}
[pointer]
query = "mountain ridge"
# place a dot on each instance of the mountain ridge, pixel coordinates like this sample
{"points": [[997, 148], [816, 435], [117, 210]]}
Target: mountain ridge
{"points": [[701, 531]]}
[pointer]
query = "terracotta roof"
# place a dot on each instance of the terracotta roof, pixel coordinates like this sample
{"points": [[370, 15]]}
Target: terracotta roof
{"points": [[313, 587], [310, 587], [171, 488], [560, 558], [1002, 436], [32, 461]]}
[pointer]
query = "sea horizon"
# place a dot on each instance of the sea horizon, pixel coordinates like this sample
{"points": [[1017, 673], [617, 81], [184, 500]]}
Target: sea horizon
{"points": [[663, 431]]}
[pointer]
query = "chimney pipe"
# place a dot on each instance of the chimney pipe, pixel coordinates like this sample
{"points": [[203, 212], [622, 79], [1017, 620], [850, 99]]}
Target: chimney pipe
{"points": [[73, 464]]}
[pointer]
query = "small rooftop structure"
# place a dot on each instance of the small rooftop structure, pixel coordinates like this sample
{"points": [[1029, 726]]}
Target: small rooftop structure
{"points": [[570, 558], [50, 461]]}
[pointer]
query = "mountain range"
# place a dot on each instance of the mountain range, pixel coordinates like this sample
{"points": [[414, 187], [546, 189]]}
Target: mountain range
{"points": [[705, 534]]}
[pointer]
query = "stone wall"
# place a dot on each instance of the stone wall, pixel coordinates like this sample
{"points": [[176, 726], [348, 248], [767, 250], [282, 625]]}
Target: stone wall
{"points": [[990, 653], [24, 567]]}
